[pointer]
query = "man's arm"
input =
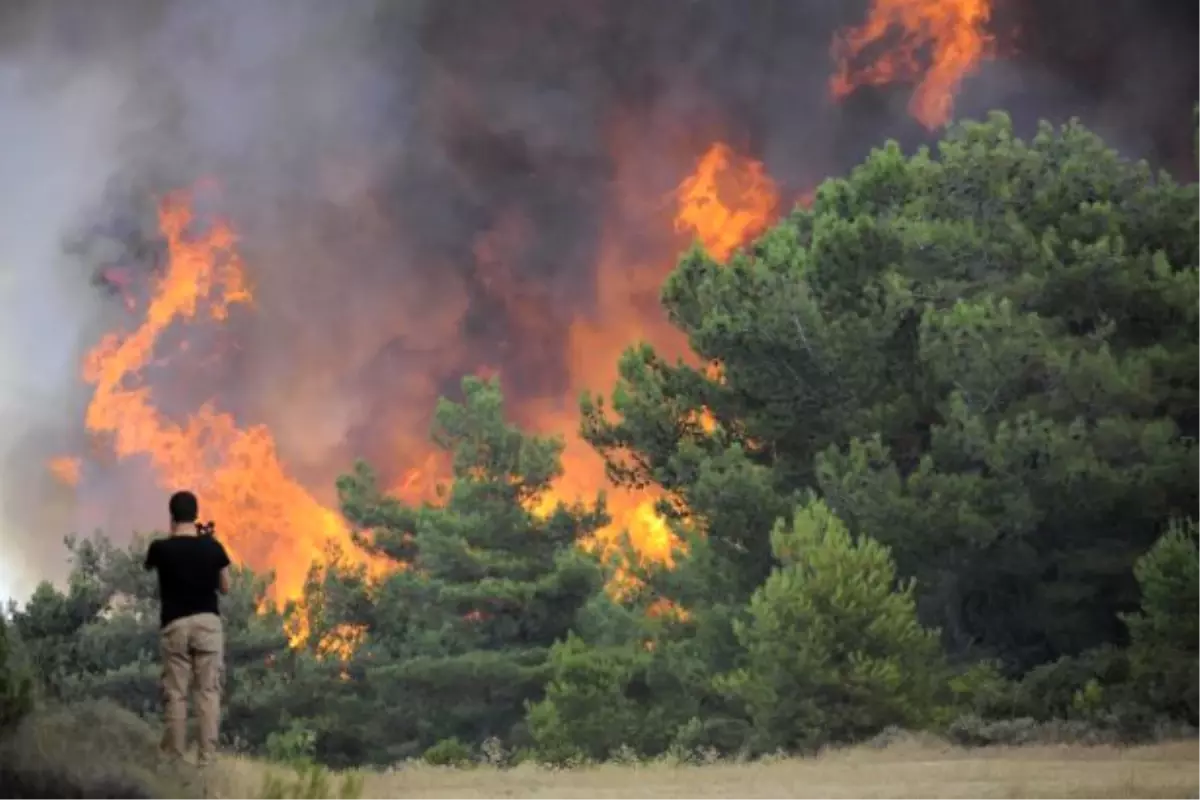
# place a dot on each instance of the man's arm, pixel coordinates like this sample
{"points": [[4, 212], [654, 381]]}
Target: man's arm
{"points": [[150, 562], [223, 579]]}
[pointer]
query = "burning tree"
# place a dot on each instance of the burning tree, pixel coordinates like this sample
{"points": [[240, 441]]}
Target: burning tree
{"points": [[981, 357], [454, 645], [984, 356]]}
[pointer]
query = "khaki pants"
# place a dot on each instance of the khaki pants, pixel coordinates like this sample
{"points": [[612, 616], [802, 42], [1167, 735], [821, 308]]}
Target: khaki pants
{"points": [[193, 649]]}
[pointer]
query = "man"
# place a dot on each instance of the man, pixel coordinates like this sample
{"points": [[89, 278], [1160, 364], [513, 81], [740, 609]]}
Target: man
{"points": [[192, 568]]}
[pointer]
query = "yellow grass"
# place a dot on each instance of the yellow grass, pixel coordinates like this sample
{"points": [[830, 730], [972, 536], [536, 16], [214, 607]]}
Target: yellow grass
{"points": [[908, 769]]}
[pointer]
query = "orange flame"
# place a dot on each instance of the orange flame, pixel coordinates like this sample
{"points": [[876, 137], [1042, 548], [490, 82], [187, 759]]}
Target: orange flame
{"points": [[954, 31], [342, 641], [420, 483], [725, 203], [270, 521]]}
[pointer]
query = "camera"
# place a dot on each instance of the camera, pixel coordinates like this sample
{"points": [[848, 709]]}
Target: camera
{"points": [[206, 528]]}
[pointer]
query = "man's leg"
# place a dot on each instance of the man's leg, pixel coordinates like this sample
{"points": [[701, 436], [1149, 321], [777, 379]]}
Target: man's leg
{"points": [[208, 654], [176, 674]]}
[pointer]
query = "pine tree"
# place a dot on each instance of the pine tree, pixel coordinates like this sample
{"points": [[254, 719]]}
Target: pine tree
{"points": [[491, 586], [1165, 634], [982, 355], [834, 651]]}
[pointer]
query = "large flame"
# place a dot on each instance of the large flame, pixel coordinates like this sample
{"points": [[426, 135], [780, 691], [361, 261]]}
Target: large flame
{"points": [[724, 202], [267, 520], [271, 521], [953, 32]]}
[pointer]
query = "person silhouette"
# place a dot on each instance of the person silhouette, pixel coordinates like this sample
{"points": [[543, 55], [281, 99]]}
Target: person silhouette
{"points": [[192, 568]]}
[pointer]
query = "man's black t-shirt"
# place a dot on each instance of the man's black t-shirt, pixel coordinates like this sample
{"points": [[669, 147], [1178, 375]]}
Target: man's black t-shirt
{"points": [[189, 574]]}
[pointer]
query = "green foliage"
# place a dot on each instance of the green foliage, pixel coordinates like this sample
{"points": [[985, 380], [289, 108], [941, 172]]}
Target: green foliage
{"points": [[587, 712], [99, 639], [834, 652], [16, 681], [983, 355], [293, 746], [1050, 691], [966, 381], [449, 753], [1165, 634], [460, 639], [1170, 592], [981, 689]]}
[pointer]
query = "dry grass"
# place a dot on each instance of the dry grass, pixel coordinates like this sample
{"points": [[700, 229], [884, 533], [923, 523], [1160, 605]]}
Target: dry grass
{"points": [[908, 769]]}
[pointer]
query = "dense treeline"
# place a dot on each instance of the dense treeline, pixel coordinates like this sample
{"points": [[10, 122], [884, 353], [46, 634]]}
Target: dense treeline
{"points": [[938, 472]]}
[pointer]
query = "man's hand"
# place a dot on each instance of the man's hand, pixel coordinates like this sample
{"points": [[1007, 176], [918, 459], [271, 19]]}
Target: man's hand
{"points": [[224, 581]]}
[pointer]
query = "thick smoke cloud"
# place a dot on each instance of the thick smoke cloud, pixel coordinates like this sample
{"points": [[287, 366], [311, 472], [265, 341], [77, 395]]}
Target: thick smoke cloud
{"points": [[60, 131], [372, 156], [1127, 68]]}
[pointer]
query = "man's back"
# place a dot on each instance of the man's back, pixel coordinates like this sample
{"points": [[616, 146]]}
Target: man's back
{"points": [[189, 570], [192, 568]]}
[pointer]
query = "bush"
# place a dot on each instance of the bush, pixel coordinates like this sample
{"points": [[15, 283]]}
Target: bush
{"points": [[586, 713], [90, 749], [16, 680], [1067, 687], [982, 689], [1164, 635], [834, 651], [294, 746], [448, 753]]}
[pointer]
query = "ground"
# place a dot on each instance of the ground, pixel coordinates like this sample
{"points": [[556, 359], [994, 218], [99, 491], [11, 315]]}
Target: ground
{"points": [[909, 769]]}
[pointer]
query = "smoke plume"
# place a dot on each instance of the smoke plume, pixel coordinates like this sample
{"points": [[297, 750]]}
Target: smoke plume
{"points": [[60, 134], [424, 189]]}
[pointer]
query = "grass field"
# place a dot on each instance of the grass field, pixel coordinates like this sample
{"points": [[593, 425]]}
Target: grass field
{"points": [[907, 769]]}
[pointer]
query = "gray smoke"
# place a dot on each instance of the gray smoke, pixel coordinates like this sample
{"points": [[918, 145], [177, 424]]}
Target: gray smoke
{"points": [[362, 150], [101, 110], [60, 133]]}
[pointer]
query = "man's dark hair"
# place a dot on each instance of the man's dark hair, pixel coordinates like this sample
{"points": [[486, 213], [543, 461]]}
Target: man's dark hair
{"points": [[183, 507]]}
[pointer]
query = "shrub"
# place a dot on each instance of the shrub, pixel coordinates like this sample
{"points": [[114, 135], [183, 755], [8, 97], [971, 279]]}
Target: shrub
{"points": [[1164, 635], [586, 713], [16, 680], [448, 753], [981, 688], [90, 749], [1068, 686], [294, 746], [834, 651]]}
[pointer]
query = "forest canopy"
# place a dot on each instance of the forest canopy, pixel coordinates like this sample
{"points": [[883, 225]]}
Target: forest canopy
{"points": [[934, 468]]}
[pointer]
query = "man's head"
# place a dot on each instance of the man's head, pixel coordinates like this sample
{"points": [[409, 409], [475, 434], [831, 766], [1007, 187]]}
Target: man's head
{"points": [[184, 508]]}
